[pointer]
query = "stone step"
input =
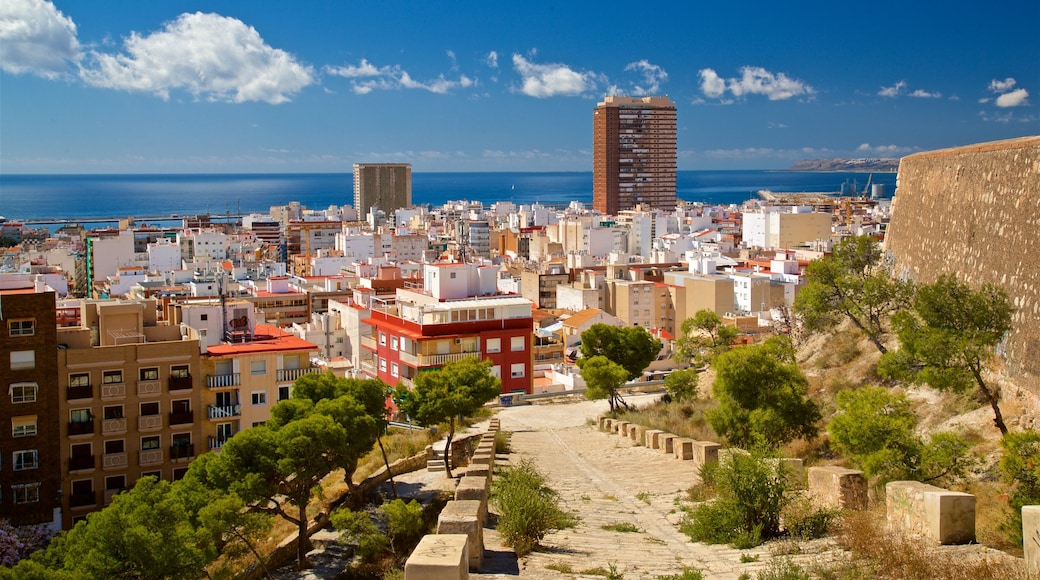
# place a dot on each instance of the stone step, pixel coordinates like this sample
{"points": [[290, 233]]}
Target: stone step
{"points": [[435, 465]]}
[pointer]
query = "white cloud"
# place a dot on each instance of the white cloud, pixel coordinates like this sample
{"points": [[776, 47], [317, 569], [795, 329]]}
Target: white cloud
{"points": [[923, 94], [998, 86], [892, 91], [753, 81], [366, 77], [553, 79], [899, 89], [1015, 98], [492, 59], [653, 76], [883, 149], [210, 56], [454, 62], [36, 38]]}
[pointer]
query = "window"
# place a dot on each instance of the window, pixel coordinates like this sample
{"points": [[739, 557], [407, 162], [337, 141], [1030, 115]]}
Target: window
{"points": [[26, 459], [517, 343], [395, 370], [150, 374], [179, 371], [79, 380], [494, 344], [393, 343], [204, 317], [382, 364], [181, 406], [114, 412], [382, 339], [26, 493], [80, 450], [23, 359], [283, 393], [23, 392], [258, 423], [258, 367], [79, 415], [148, 443], [22, 327], [114, 446], [259, 398], [156, 474], [496, 371], [518, 370], [115, 482], [112, 377], [23, 426], [149, 409]]}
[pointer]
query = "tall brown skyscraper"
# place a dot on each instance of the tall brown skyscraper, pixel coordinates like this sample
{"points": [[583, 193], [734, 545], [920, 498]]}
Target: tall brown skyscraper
{"points": [[387, 186], [633, 154]]}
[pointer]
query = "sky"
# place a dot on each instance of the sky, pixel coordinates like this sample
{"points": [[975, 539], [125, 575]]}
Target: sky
{"points": [[258, 86]]}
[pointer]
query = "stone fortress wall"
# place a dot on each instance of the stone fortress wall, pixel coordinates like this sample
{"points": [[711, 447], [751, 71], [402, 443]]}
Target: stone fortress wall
{"points": [[975, 211]]}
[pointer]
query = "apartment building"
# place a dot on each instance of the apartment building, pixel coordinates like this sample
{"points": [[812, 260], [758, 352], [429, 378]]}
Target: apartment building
{"points": [[539, 286], [387, 186], [130, 401], [30, 444], [784, 227]]}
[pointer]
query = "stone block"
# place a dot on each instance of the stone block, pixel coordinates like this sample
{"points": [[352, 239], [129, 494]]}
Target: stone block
{"points": [[622, 428], [601, 422], [705, 452], [439, 557], [943, 516], [667, 443], [652, 438], [479, 470], [463, 517], [838, 487], [1031, 537], [608, 425], [474, 488], [482, 458], [638, 433], [683, 448]]}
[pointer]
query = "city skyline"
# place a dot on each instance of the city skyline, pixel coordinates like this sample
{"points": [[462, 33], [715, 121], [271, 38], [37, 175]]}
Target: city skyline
{"points": [[241, 87]]}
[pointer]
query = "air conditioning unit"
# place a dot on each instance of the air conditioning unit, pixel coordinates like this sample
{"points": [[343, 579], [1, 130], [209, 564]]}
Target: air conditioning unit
{"points": [[458, 341]]}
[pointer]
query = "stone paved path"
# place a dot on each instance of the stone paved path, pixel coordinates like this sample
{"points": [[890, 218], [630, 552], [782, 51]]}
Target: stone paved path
{"points": [[606, 479]]}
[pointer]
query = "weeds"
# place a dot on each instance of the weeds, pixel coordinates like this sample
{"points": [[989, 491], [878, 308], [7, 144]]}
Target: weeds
{"points": [[643, 497], [560, 567], [623, 527], [748, 558], [528, 509], [686, 574], [502, 442], [783, 569]]}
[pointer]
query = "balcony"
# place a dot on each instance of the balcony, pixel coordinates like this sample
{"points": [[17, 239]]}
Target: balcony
{"points": [[83, 499], [113, 391], [180, 383], [369, 367], [182, 451], [81, 463], [182, 418], [288, 375], [81, 428], [112, 426], [113, 461], [84, 392], [409, 359], [150, 457], [224, 411], [432, 360], [368, 342], [217, 442], [149, 388], [149, 423], [221, 381]]}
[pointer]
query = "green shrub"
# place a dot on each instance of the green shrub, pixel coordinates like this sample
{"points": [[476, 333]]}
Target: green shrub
{"points": [[1020, 469], [804, 521], [528, 509], [501, 442], [623, 527], [359, 530], [681, 385], [404, 523], [686, 574], [783, 569]]}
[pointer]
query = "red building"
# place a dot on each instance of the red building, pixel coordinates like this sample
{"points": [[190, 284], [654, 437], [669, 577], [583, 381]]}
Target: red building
{"points": [[458, 315]]}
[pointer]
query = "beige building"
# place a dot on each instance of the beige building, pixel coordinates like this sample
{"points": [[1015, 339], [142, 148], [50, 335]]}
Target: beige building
{"points": [[540, 286], [633, 153], [641, 303], [387, 186], [131, 404], [782, 228], [694, 292]]}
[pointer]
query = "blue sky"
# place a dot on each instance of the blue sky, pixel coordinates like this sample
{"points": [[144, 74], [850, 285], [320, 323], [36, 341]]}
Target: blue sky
{"points": [[258, 86]]}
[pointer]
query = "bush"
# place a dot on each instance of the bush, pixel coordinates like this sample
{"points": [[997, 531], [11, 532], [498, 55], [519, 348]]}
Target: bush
{"points": [[803, 521], [528, 509], [682, 384], [1020, 469], [359, 530], [403, 524]]}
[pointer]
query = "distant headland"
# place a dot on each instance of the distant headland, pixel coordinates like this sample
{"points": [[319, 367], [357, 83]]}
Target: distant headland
{"points": [[839, 164]]}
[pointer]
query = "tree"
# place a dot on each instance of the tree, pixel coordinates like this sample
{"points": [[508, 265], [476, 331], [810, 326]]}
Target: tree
{"points": [[948, 338], [851, 284], [631, 347], [702, 338], [1020, 469], [876, 429], [455, 390], [602, 379], [762, 396], [682, 384]]}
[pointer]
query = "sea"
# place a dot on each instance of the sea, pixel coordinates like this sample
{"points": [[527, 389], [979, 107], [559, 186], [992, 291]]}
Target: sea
{"points": [[91, 198]]}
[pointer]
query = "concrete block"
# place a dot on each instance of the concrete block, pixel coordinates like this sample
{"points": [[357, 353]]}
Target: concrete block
{"points": [[943, 516], [482, 458], [1031, 537], [667, 443], [652, 439], [474, 488], [622, 428], [463, 517], [479, 470], [705, 452], [638, 433], [838, 487], [601, 422], [608, 425], [683, 448], [439, 557]]}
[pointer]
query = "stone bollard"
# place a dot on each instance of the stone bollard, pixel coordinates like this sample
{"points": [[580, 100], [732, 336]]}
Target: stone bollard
{"points": [[479, 470], [483, 458], [439, 557], [621, 428], [946, 517], [601, 422], [475, 488], [1031, 537], [667, 443], [652, 439], [463, 517], [838, 487], [705, 452], [608, 426], [638, 434], [683, 448]]}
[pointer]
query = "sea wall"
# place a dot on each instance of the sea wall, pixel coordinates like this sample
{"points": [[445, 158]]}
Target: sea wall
{"points": [[975, 211]]}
